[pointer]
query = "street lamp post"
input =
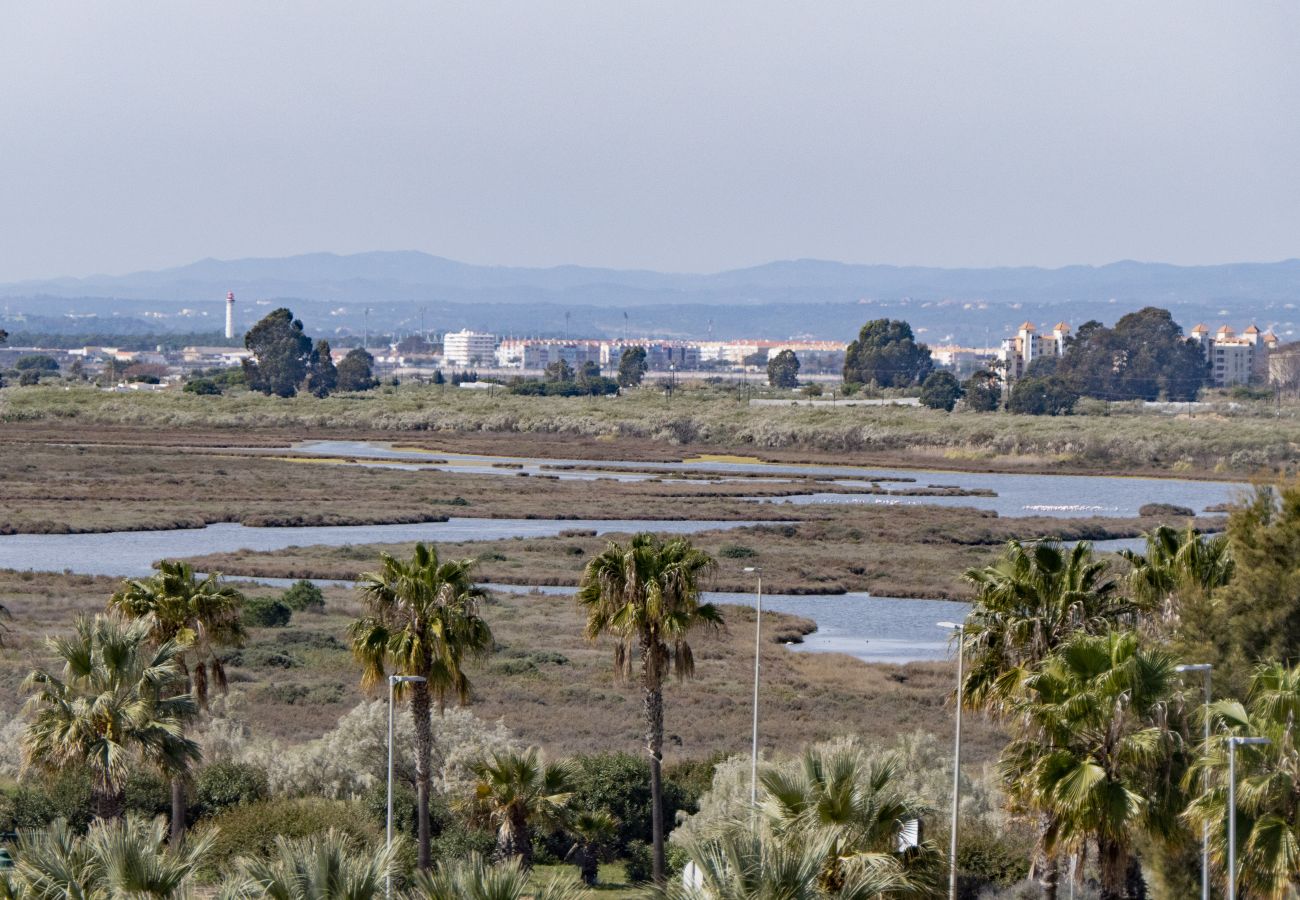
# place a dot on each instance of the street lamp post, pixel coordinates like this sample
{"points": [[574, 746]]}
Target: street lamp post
{"points": [[958, 629], [393, 682], [1207, 671], [758, 652], [1233, 744]]}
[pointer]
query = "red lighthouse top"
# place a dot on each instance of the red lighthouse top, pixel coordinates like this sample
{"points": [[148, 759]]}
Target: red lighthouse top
{"points": [[230, 296]]}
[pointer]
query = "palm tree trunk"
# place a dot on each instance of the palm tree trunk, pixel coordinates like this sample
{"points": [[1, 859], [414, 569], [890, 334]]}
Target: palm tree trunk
{"points": [[654, 720], [178, 811], [421, 711], [522, 841]]}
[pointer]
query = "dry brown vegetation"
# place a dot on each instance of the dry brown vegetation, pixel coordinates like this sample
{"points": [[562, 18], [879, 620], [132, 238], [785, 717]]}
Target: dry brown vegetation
{"points": [[545, 681]]}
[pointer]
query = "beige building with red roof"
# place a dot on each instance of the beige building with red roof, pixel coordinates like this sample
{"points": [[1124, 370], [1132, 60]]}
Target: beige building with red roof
{"points": [[1236, 359]]}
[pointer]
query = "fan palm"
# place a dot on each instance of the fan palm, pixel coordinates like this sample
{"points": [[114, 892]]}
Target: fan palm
{"points": [[645, 594], [421, 618], [125, 858], [329, 866], [475, 879], [594, 833], [1099, 753], [851, 800], [200, 617], [1268, 784], [738, 864], [1028, 603], [115, 703], [1176, 584], [516, 791]]}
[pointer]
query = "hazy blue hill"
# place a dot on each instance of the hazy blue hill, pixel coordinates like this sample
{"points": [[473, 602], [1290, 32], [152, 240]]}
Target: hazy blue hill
{"points": [[778, 299], [396, 276]]}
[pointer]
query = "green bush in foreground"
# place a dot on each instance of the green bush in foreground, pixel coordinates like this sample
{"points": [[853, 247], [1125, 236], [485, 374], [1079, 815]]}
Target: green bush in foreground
{"points": [[250, 829]]}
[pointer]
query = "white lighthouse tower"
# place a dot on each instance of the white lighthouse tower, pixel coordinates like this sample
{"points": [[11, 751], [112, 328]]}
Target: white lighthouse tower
{"points": [[230, 315]]}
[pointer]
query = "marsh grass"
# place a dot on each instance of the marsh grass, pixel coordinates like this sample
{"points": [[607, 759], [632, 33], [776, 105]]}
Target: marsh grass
{"points": [[577, 705], [1238, 438]]}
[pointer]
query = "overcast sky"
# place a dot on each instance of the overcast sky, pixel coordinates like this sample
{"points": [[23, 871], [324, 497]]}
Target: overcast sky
{"points": [[689, 136]]}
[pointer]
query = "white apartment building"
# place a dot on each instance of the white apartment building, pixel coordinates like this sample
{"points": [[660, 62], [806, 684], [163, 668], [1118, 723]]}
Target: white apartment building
{"points": [[469, 348], [530, 353], [1233, 358], [1016, 353], [659, 355]]}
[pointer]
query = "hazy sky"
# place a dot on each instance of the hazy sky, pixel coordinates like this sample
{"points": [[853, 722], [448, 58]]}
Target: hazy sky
{"points": [[690, 136]]}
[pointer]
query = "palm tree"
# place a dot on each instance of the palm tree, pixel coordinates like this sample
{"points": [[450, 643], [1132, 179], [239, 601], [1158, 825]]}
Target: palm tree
{"points": [[421, 618], [1174, 583], [475, 879], [330, 866], [1268, 784], [645, 593], [125, 858], [114, 704], [200, 617], [739, 864], [516, 791], [1027, 604], [852, 801], [1099, 753], [594, 833]]}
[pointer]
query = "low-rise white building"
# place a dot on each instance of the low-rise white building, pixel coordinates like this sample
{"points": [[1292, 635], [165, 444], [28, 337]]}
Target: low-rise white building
{"points": [[1236, 359]]}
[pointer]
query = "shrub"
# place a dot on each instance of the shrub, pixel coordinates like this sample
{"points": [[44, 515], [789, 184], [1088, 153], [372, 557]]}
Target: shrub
{"points": [[146, 792], [202, 386], [619, 783], [36, 802], [737, 551], [992, 857], [250, 829], [226, 784], [262, 658], [266, 612], [638, 866], [303, 595]]}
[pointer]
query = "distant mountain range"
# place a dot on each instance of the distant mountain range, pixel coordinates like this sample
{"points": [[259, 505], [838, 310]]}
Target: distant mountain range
{"points": [[828, 296], [411, 276]]}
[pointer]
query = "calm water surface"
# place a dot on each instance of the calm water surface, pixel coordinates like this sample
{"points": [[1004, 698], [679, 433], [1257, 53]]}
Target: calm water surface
{"points": [[1016, 495], [133, 552]]}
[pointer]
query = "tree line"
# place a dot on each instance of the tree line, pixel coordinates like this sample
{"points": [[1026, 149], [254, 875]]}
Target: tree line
{"points": [[1144, 356], [285, 361]]}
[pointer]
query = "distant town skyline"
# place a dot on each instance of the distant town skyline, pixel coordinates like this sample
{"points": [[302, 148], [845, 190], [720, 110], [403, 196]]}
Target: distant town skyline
{"points": [[673, 136]]}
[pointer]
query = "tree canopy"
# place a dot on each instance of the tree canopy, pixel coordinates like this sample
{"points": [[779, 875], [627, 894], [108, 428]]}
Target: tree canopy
{"points": [[941, 390], [356, 371], [1144, 357], [783, 370], [281, 351], [886, 354], [632, 367]]}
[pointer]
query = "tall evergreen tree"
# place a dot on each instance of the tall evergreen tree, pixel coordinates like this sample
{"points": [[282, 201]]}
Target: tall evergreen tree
{"points": [[281, 354], [322, 377], [783, 370], [356, 371], [632, 366], [887, 355]]}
